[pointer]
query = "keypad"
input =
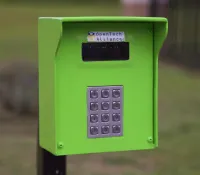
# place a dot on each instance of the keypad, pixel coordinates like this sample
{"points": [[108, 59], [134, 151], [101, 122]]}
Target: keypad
{"points": [[105, 111]]}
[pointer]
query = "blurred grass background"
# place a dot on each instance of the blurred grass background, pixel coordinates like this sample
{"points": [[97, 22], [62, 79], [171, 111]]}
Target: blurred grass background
{"points": [[19, 24], [179, 101]]}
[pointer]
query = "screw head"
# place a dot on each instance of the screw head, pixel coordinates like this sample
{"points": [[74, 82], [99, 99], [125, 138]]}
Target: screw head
{"points": [[60, 145], [150, 139]]}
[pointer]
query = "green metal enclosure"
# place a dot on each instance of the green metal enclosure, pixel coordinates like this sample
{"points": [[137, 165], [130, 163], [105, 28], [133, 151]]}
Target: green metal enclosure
{"points": [[64, 78]]}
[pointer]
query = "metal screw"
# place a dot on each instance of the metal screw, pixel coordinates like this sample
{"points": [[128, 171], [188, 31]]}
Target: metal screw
{"points": [[150, 139], [60, 145]]}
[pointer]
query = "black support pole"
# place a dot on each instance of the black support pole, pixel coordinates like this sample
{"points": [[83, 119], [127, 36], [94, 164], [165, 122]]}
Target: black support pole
{"points": [[49, 164]]}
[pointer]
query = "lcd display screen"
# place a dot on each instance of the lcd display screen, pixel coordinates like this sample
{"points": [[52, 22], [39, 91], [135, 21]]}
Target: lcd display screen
{"points": [[105, 51]]}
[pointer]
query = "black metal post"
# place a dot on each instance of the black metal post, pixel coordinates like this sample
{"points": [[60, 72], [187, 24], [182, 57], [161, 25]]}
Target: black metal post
{"points": [[49, 164]]}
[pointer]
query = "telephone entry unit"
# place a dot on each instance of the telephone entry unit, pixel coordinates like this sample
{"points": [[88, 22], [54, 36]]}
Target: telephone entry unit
{"points": [[98, 81]]}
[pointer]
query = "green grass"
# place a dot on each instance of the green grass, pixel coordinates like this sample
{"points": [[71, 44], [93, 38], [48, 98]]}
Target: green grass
{"points": [[179, 101], [18, 30]]}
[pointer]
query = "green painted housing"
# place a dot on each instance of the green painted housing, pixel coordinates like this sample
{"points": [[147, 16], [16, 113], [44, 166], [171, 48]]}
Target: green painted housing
{"points": [[64, 78]]}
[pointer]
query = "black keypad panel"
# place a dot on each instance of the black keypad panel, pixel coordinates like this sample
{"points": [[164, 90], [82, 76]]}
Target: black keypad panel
{"points": [[105, 111]]}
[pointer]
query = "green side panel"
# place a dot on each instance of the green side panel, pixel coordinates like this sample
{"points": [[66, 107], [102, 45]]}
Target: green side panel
{"points": [[49, 33], [64, 79], [160, 30]]}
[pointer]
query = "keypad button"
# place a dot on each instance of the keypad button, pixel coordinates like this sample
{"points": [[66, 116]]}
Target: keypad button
{"points": [[93, 118], [105, 93], [94, 130], [116, 117], [93, 94], [116, 129], [116, 105], [105, 117], [105, 129], [105, 105], [116, 93], [93, 106]]}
